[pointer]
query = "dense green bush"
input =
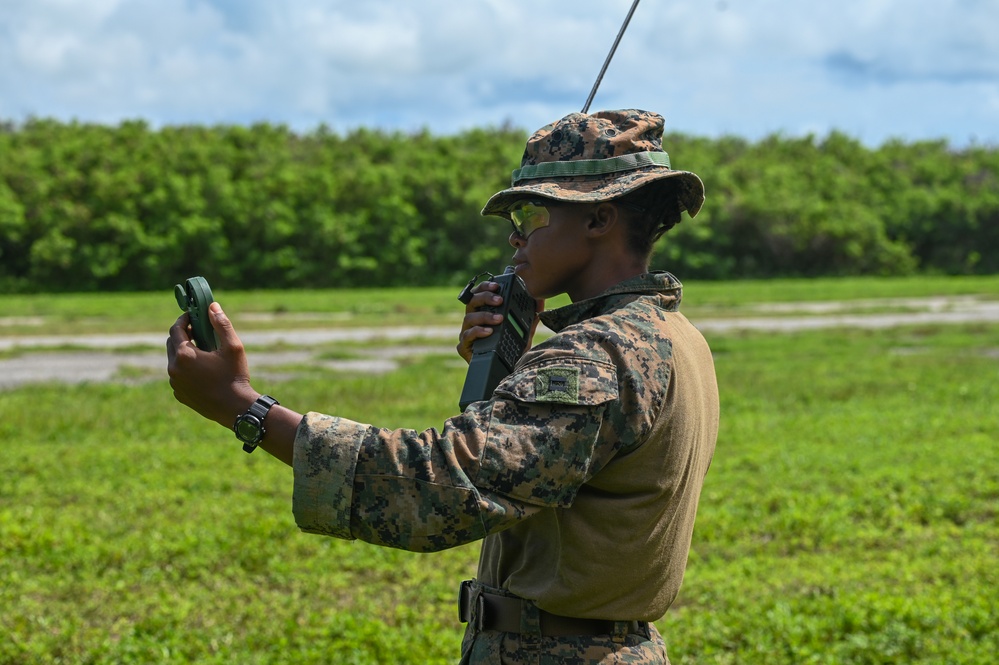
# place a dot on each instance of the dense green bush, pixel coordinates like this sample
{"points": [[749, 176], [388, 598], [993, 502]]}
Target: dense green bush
{"points": [[94, 207], [806, 207]]}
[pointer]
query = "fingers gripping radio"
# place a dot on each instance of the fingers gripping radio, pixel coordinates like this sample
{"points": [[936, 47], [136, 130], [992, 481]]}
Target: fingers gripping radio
{"points": [[493, 357]]}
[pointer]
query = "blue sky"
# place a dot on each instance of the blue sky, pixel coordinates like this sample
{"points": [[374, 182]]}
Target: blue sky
{"points": [[874, 69]]}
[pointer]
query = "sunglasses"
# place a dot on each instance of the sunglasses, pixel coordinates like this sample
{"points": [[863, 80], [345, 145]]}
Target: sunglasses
{"points": [[529, 216]]}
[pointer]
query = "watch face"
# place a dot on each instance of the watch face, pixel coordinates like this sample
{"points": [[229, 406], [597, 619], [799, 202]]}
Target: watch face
{"points": [[248, 429]]}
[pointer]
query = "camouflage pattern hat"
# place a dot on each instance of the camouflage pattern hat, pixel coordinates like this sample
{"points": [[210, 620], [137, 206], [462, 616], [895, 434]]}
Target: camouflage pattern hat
{"points": [[597, 157]]}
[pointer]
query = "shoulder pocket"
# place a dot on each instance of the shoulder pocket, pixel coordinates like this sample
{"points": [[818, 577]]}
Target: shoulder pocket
{"points": [[544, 427], [572, 381]]}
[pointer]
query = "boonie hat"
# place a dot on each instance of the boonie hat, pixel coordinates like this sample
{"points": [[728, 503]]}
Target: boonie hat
{"points": [[596, 157]]}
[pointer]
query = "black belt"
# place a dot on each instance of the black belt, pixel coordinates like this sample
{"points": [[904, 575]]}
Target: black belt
{"points": [[490, 611]]}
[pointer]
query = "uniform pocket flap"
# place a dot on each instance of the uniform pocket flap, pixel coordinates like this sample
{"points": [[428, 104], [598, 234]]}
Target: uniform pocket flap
{"points": [[562, 381]]}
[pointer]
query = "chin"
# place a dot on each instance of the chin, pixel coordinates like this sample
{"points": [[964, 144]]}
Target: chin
{"points": [[541, 294], [531, 288]]}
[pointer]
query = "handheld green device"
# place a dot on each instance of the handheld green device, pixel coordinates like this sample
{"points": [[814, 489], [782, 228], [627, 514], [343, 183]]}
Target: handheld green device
{"points": [[493, 357], [194, 297]]}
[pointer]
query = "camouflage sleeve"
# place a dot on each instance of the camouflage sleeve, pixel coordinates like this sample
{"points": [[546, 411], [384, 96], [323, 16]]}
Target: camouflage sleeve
{"points": [[324, 460], [529, 448]]}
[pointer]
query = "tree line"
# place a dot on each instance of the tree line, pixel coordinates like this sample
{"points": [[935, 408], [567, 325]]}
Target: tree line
{"points": [[87, 207]]}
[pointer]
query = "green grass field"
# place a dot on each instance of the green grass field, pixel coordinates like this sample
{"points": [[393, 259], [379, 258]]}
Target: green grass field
{"points": [[851, 514]]}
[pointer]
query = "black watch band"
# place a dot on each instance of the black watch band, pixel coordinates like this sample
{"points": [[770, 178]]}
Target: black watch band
{"points": [[249, 427]]}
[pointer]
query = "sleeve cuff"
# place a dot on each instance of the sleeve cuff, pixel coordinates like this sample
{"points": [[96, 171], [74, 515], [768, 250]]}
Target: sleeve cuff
{"points": [[325, 459]]}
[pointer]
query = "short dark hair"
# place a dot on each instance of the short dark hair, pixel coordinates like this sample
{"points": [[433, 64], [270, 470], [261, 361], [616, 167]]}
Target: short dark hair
{"points": [[652, 211]]}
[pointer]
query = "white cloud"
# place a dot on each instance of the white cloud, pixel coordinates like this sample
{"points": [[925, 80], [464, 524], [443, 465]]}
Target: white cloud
{"points": [[872, 68]]}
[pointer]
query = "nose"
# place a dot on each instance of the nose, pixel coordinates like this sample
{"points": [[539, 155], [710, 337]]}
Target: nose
{"points": [[517, 240]]}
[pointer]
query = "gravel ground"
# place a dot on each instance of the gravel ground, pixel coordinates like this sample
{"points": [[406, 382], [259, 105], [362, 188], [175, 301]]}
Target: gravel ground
{"points": [[108, 362]]}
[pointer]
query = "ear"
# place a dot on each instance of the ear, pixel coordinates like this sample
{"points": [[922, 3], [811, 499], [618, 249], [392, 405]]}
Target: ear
{"points": [[602, 220]]}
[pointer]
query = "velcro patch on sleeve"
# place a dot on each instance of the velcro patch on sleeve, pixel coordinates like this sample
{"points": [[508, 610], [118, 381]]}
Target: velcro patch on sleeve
{"points": [[557, 384]]}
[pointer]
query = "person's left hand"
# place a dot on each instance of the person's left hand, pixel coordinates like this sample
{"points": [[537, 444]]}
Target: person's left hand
{"points": [[216, 384]]}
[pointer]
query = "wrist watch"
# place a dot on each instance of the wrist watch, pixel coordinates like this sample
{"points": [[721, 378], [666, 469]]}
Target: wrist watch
{"points": [[249, 427]]}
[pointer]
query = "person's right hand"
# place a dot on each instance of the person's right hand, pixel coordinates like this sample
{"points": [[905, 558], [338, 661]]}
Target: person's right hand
{"points": [[216, 383], [476, 324]]}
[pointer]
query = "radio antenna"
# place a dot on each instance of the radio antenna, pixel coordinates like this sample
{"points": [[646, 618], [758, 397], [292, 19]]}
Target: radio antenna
{"points": [[600, 76]]}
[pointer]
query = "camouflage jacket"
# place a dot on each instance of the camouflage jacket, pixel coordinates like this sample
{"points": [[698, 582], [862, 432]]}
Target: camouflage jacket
{"points": [[582, 473]]}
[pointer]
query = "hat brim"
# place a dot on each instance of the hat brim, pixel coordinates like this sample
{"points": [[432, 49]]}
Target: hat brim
{"points": [[589, 189]]}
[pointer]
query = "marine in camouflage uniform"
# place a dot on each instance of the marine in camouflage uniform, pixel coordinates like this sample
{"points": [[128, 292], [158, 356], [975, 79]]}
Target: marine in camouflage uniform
{"points": [[581, 474]]}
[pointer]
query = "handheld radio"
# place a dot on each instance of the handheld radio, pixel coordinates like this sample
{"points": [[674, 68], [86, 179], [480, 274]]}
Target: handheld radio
{"points": [[493, 357], [194, 297]]}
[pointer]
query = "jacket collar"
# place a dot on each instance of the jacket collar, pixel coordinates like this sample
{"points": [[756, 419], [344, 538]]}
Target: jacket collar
{"points": [[660, 283]]}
